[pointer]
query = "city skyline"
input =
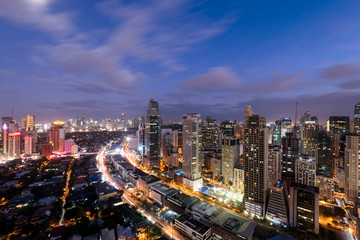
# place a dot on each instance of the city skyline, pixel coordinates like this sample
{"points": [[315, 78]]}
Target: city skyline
{"points": [[63, 59]]}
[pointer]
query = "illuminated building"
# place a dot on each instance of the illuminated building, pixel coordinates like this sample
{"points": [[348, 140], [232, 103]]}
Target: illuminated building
{"points": [[256, 166], [274, 159], [286, 126], [208, 133], [357, 118], [123, 121], [191, 150], [5, 139], [56, 136], [28, 144], [5, 120], [14, 144], [305, 170], [352, 168], [304, 207], [227, 128], [278, 207], [248, 113], [309, 133], [152, 159], [277, 133], [290, 151], [46, 150], [339, 124], [239, 177], [30, 123], [324, 155], [326, 185], [230, 157], [68, 144], [23, 123]]}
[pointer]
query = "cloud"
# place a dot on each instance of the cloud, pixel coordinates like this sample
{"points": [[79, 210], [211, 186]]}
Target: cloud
{"points": [[354, 84], [215, 80], [341, 71], [8, 73], [36, 14]]}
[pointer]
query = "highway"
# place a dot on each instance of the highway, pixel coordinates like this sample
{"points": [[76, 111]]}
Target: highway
{"points": [[167, 229]]}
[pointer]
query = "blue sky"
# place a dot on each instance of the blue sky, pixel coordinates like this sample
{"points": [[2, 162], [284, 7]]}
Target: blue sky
{"points": [[60, 59]]}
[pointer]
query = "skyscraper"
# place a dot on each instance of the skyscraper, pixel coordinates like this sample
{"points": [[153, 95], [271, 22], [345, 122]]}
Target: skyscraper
{"points": [[274, 159], [286, 126], [230, 157], [191, 150], [208, 133], [305, 170], [14, 144], [30, 123], [28, 144], [5, 139], [357, 118], [352, 168], [290, 151], [56, 136], [256, 165], [309, 133], [324, 155], [304, 207], [339, 124], [277, 133], [152, 159], [278, 208], [248, 113], [227, 128]]}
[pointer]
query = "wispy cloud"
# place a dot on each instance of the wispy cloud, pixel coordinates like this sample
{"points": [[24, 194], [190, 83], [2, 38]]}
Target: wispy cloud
{"points": [[8, 73]]}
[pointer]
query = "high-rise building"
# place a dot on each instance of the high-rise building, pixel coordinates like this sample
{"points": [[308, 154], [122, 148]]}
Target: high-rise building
{"points": [[304, 207], [5, 133], [227, 128], [14, 144], [191, 150], [339, 124], [324, 155], [352, 168], [230, 157], [274, 159], [46, 150], [278, 207], [56, 136], [23, 124], [239, 177], [68, 144], [357, 118], [28, 142], [123, 121], [248, 113], [208, 133], [277, 133], [290, 151], [30, 123], [305, 170], [256, 165], [309, 133], [306, 117], [153, 138]]}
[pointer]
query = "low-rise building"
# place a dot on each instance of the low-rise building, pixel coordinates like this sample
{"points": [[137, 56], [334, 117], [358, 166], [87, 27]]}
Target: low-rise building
{"points": [[192, 228], [159, 191]]}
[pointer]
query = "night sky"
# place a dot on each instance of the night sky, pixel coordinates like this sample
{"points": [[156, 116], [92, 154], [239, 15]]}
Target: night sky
{"points": [[60, 59]]}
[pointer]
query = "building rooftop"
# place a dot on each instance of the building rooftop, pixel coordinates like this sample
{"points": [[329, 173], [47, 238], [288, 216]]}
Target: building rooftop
{"points": [[150, 179], [163, 189], [193, 224], [235, 223]]}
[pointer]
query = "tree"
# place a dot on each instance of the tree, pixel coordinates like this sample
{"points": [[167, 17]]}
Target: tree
{"points": [[152, 232]]}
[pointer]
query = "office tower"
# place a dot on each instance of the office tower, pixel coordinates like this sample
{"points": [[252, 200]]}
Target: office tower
{"points": [[238, 129], [239, 177], [277, 133], [191, 150], [290, 151], [339, 124], [309, 133], [357, 118], [278, 207], [230, 157], [274, 159], [248, 113], [30, 123], [14, 144], [326, 187], [28, 144], [304, 207], [208, 133], [227, 128], [56, 136], [305, 170], [152, 159], [314, 119], [324, 155], [5, 139], [352, 168], [83, 120], [256, 165], [286, 126]]}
